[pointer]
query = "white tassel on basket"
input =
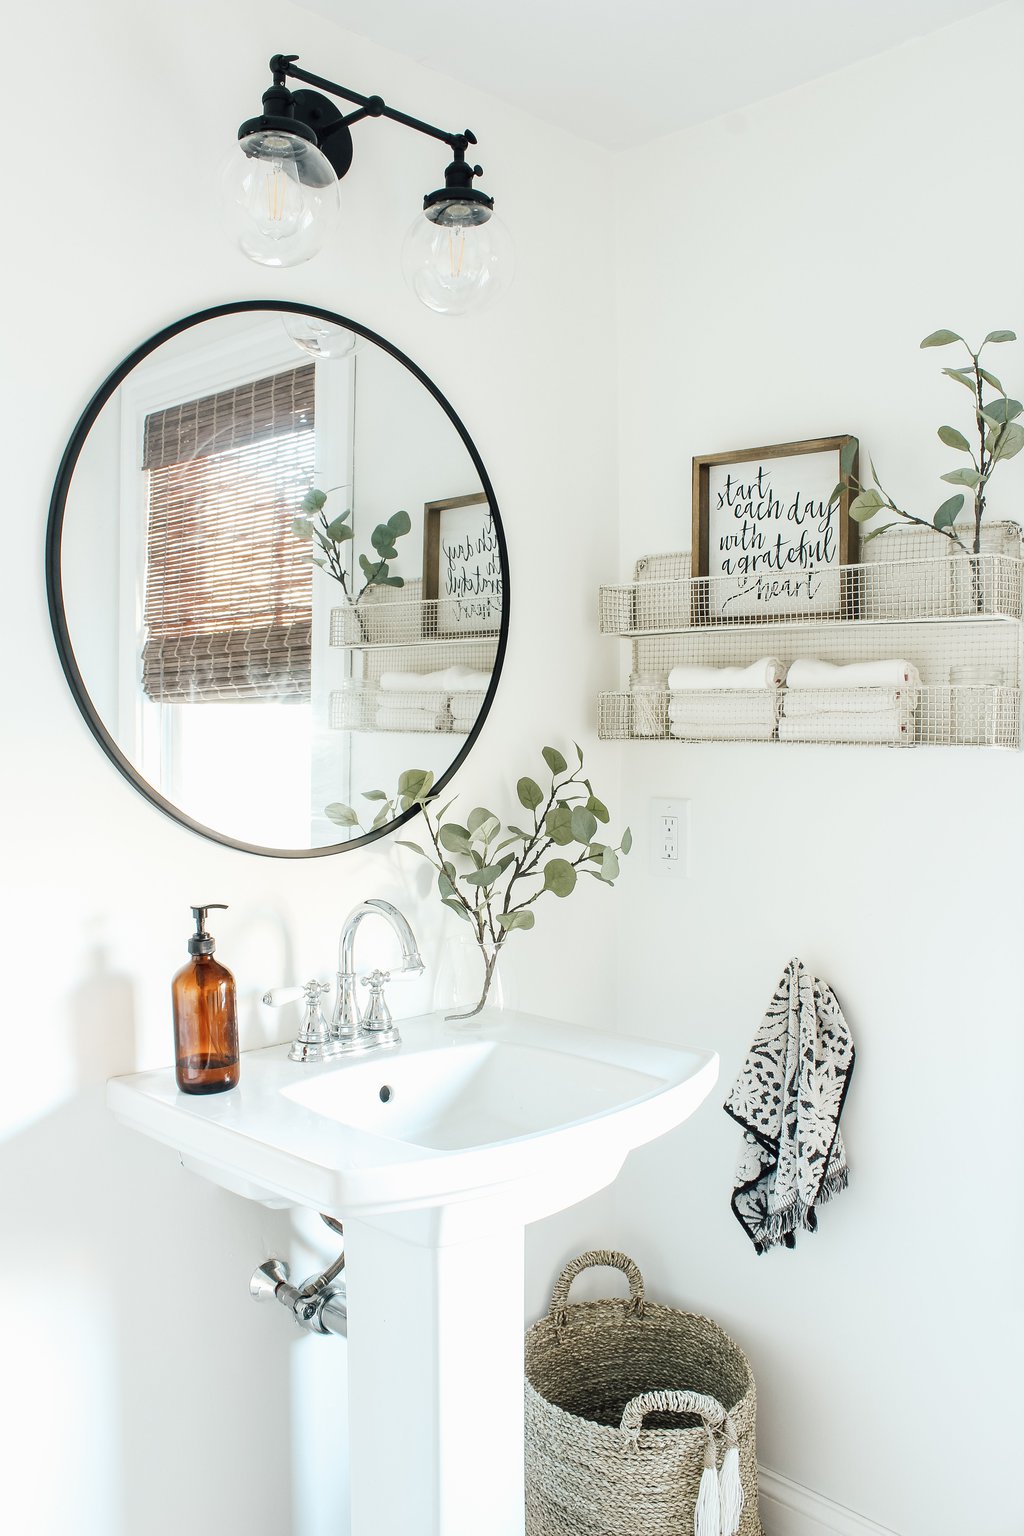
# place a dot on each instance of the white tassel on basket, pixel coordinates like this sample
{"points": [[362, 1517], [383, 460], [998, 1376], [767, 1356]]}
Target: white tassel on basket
{"points": [[730, 1485], [707, 1512]]}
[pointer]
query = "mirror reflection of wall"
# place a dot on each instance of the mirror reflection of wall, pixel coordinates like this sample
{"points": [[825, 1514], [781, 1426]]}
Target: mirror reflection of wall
{"points": [[239, 680]]}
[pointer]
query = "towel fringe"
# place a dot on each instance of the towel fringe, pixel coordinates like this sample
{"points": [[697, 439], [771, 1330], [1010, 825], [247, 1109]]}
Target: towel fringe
{"points": [[731, 1492]]}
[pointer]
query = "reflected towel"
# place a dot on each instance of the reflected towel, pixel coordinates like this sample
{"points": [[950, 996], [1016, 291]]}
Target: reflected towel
{"points": [[891, 673], [882, 728], [788, 1099], [457, 679], [465, 707], [766, 672], [389, 719]]}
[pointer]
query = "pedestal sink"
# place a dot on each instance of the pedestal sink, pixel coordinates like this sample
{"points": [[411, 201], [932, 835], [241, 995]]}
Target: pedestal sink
{"points": [[435, 1154]]}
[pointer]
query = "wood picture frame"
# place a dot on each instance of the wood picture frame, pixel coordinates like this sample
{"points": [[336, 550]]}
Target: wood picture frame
{"points": [[765, 536], [461, 568]]}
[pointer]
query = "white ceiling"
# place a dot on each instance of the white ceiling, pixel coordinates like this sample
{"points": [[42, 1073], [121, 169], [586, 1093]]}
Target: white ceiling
{"points": [[622, 72]]}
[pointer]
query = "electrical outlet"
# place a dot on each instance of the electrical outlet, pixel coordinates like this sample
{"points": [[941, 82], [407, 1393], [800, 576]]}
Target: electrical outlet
{"points": [[670, 838]]}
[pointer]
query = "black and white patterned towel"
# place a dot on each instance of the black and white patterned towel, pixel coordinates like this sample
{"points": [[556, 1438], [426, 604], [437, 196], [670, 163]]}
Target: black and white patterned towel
{"points": [[788, 1098]]}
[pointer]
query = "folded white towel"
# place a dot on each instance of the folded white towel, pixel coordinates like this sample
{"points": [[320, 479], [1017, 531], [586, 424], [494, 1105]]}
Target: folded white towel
{"points": [[857, 674], [457, 679], [751, 704], [766, 672], [883, 728], [465, 706], [410, 719], [426, 699], [806, 702], [722, 730]]}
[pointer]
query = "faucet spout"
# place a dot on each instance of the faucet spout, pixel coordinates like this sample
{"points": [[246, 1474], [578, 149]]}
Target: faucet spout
{"points": [[348, 1030]]}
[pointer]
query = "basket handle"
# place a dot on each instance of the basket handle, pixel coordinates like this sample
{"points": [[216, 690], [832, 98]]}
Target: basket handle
{"points": [[597, 1258], [709, 1409]]}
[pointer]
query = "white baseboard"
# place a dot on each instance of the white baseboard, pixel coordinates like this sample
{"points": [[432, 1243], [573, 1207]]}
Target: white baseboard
{"points": [[788, 1509]]}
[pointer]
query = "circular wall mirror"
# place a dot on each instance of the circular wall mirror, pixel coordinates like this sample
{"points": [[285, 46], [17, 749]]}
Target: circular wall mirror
{"points": [[277, 577]]}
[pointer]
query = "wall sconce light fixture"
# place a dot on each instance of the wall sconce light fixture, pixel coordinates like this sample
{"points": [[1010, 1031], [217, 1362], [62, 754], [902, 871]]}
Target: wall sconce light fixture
{"points": [[282, 186]]}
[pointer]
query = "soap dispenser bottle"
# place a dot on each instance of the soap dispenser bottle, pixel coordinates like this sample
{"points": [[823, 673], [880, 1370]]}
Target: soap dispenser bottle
{"points": [[205, 1017]]}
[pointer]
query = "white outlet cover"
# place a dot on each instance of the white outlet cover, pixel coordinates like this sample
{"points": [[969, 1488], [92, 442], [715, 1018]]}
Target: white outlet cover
{"points": [[679, 867]]}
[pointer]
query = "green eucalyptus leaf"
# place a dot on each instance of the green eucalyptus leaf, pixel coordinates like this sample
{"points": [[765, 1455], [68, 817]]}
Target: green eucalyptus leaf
{"points": [[510, 920], [962, 376], [962, 477], [391, 581], [598, 808], [518, 832], [865, 506], [998, 411], [454, 838], [990, 378], [505, 843], [848, 456], [415, 782], [1000, 336], [558, 824], [445, 884], [382, 817], [941, 339], [579, 752], [530, 794], [954, 439], [583, 823], [554, 759], [456, 906], [1011, 441], [627, 841], [609, 866], [374, 794], [837, 492], [486, 875], [399, 523], [313, 500], [341, 815], [866, 538], [946, 516], [477, 819], [559, 877], [339, 530], [401, 843], [302, 528]]}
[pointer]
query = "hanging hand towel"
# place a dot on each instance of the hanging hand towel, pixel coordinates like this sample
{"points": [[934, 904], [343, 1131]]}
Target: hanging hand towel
{"points": [[788, 1098]]}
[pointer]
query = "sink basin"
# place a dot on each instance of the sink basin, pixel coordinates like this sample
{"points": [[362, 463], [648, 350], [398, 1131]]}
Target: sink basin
{"points": [[540, 1110]]}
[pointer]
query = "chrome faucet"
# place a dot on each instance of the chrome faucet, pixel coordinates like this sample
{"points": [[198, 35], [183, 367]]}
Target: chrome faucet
{"points": [[350, 1030]]}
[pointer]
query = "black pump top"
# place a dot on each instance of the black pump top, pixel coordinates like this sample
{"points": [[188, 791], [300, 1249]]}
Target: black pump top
{"points": [[201, 943]]}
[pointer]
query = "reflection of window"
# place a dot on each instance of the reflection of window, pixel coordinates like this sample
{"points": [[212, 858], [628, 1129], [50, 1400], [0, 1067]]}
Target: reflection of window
{"points": [[228, 611]]}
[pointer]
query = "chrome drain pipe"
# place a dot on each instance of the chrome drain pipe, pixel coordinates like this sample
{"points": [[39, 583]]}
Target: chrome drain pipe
{"points": [[319, 1304]]}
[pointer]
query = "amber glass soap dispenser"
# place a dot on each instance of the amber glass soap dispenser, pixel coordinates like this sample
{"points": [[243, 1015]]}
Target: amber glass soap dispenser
{"points": [[205, 1017]]}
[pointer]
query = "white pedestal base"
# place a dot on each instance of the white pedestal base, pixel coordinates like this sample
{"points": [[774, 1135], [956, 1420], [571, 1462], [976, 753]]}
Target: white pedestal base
{"points": [[435, 1359]]}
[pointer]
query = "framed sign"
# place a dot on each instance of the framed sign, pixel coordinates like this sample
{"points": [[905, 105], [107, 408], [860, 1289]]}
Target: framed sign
{"points": [[767, 532], [461, 567]]}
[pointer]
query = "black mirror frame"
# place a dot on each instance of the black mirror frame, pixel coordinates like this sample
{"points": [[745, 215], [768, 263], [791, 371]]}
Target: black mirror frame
{"points": [[55, 595]]}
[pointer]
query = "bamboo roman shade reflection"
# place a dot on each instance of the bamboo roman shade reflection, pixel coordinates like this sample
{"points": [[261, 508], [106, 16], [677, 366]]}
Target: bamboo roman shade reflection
{"points": [[228, 611]]}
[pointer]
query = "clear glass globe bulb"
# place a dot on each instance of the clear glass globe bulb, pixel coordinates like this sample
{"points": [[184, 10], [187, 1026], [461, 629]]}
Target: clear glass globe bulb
{"points": [[282, 198], [320, 338], [455, 265]]}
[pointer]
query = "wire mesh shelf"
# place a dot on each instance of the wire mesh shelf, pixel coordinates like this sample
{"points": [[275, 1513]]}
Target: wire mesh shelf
{"points": [[954, 716], [891, 591], [402, 616], [363, 706]]}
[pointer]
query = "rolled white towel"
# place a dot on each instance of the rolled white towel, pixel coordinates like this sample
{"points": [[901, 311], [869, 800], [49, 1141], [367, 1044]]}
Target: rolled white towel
{"points": [[465, 706], [891, 673], [722, 730], [406, 720], [759, 705], [430, 701], [881, 729], [805, 703], [456, 679], [766, 672]]}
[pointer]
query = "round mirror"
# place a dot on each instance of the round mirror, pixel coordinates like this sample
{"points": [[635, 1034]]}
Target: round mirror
{"points": [[277, 576]]}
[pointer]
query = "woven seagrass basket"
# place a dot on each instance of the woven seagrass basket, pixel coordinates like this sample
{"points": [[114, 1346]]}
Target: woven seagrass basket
{"points": [[627, 1405]]}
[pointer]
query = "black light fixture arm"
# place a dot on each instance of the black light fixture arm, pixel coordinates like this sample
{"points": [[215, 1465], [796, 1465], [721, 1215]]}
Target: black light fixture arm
{"points": [[284, 67]]}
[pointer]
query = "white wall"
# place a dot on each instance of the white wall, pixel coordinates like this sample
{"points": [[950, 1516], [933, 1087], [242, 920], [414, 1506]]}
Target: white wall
{"points": [[789, 261], [132, 1356]]}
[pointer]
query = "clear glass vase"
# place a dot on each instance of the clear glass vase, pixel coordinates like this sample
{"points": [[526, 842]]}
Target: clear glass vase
{"points": [[460, 981]]}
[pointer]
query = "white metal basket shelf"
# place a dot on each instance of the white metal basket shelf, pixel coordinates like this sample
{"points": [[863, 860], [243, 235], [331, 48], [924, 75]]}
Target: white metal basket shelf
{"points": [[419, 621], [886, 592], [915, 597], [362, 706], [922, 716]]}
